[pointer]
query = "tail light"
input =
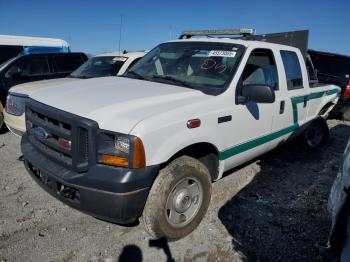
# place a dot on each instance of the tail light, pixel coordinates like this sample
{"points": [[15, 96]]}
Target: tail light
{"points": [[347, 90]]}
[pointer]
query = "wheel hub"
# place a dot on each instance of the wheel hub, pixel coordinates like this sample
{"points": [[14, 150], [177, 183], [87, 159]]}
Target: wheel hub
{"points": [[182, 201]]}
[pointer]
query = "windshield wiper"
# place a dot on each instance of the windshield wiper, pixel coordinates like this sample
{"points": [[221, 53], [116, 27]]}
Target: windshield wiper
{"points": [[134, 75], [80, 77], [173, 80]]}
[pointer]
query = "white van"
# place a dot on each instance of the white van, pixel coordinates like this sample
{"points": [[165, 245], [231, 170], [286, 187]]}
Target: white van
{"points": [[12, 45]]}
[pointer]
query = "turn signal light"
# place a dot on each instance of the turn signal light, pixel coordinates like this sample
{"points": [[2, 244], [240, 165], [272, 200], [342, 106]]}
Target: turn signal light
{"points": [[139, 154], [114, 160]]}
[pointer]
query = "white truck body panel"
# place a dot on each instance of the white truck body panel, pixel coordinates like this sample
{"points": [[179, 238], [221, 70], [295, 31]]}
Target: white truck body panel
{"points": [[158, 113]]}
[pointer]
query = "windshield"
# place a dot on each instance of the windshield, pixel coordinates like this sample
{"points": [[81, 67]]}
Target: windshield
{"points": [[205, 66], [99, 66]]}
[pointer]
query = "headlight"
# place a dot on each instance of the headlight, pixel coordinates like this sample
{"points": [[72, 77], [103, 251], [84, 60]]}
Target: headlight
{"points": [[120, 150], [15, 104]]}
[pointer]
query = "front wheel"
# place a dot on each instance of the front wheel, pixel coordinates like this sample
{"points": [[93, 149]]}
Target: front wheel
{"points": [[178, 200]]}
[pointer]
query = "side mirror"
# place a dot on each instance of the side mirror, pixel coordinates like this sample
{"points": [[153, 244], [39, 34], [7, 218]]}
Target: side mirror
{"points": [[258, 93]]}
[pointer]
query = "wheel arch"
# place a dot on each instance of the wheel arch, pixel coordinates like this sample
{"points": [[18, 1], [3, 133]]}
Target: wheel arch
{"points": [[205, 152], [324, 111]]}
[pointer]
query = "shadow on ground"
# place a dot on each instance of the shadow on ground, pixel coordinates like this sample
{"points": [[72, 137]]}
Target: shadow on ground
{"points": [[281, 215], [134, 253]]}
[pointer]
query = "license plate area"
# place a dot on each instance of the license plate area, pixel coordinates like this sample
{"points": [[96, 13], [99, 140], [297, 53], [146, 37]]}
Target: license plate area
{"points": [[42, 177]]}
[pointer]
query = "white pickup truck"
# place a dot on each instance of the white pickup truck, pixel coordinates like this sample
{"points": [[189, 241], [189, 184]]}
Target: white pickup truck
{"points": [[149, 144]]}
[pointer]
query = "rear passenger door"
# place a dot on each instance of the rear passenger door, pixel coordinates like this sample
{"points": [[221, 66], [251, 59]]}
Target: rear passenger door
{"points": [[291, 103]]}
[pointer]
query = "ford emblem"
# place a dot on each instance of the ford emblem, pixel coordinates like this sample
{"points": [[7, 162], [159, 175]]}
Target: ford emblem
{"points": [[41, 133]]}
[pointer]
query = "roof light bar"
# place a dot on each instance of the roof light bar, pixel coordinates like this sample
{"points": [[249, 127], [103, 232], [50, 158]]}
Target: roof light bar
{"points": [[242, 31]]}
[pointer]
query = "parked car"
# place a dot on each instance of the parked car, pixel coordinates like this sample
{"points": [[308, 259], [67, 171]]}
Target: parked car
{"points": [[13, 46], [334, 69], [34, 67], [149, 144], [338, 248], [107, 64]]}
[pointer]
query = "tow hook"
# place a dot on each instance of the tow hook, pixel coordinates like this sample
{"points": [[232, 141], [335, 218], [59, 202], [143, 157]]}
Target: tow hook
{"points": [[69, 193]]}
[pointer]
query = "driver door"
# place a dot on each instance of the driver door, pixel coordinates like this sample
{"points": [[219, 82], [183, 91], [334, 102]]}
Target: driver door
{"points": [[249, 132]]}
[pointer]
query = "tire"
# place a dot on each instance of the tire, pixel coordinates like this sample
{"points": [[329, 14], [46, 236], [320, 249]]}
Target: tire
{"points": [[316, 134], [178, 200]]}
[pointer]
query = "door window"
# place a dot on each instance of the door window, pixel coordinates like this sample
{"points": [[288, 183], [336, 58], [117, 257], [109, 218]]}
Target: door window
{"points": [[66, 63], [261, 69], [292, 69], [28, 66]]}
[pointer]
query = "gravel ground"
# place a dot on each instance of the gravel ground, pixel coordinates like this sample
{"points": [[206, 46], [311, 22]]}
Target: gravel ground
{"points": [[273, 209]]}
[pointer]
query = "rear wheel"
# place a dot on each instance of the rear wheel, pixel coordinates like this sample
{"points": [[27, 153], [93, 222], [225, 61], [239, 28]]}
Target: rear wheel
{"points": [[316, 134], [178, 200]]}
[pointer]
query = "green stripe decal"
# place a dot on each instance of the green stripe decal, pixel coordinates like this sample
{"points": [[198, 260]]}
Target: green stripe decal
{"points": [[267, 138], [257, 142]]}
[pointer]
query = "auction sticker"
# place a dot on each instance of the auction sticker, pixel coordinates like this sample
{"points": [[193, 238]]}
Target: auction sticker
{"points": [[119, 58], [222, 53]]}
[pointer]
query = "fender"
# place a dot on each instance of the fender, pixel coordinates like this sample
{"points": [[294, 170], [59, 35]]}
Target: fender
{"points": [[173, 142]]}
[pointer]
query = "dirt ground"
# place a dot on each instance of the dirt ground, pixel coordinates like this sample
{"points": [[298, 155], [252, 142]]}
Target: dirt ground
{"points": [[272, 209]]}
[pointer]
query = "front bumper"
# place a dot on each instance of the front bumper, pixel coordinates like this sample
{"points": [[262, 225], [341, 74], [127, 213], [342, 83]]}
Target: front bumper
{"points": [[16, 124], [109, 193]]}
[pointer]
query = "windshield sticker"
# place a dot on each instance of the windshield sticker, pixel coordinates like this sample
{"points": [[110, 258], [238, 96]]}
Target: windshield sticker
{"points": [[222, 53], [119, 58]]}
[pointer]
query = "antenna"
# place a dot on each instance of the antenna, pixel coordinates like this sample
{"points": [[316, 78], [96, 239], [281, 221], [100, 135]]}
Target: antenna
{"points": [[120, 31]]}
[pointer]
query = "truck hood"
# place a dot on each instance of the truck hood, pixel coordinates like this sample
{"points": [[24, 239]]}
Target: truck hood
{"points": [[117, 103], [31, 87]]}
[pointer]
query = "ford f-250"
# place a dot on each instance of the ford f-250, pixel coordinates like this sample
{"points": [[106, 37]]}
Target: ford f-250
{"points": [[149, 144]]}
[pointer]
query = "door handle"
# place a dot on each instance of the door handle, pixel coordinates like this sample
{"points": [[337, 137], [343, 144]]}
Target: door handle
{"points": [[305, 101], [282, 106]]}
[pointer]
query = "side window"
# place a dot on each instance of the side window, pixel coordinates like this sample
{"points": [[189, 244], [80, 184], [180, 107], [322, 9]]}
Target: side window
{"points": [[66, 63], [134, 62], [292, 69], [29, 66], [260, 69]]}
